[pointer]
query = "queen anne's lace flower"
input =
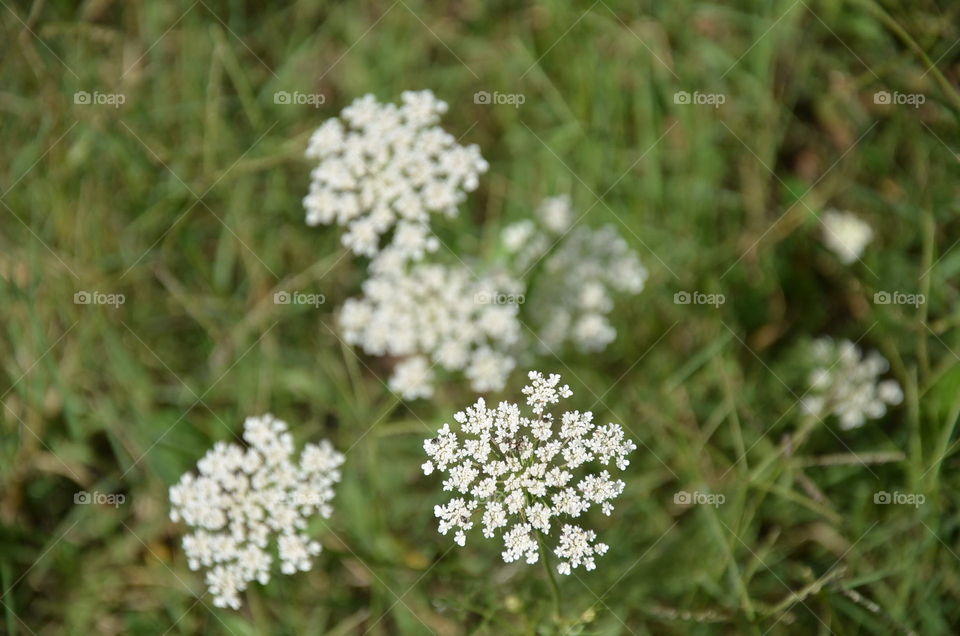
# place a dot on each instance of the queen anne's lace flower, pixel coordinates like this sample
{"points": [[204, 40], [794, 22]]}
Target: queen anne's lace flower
{"points": [[587, 266], [439, 315], [571, 301], [846, 235], [526, 476], [244, 497], [556, 213], [413, 378], [384, 167], [845, 384]]}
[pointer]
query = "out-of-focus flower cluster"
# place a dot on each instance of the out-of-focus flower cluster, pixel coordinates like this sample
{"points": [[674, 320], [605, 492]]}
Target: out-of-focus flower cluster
{"points": [[845, 235], [432, 315], [383, 170], [524, 477], [243, 498], [845, 384], [586, 267], [383, 167], [452, 318]]}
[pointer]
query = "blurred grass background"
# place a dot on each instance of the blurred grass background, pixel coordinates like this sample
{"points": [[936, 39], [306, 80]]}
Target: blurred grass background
{"points": [[186, 200]]}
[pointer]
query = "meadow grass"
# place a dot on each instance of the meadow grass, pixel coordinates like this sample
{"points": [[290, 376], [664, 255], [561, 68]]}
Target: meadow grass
{"points": [[186, 199]]}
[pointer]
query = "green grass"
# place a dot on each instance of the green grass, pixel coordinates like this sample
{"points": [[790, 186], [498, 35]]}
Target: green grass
{"points": [[186, 199]]}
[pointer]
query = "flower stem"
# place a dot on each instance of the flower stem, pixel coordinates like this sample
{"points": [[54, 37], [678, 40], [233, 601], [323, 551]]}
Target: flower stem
{"points": [[548, 567]]}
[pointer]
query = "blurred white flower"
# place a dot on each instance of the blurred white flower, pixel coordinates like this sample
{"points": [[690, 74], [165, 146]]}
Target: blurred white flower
{"points": [[383, 167], [845, 234], [518, 235], [556, 213], [583, 269], [243, 497], [523, 476], [412, 378], [581, 277], [433, 314], [845, 384]]}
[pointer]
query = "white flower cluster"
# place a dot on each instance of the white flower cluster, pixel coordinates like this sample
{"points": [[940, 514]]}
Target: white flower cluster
{"points": [[383, 167], [433, 314], [574, 296], [518, 474], [845, 384], [430, 315], [383, 170], [244, 497], [846, 235]]}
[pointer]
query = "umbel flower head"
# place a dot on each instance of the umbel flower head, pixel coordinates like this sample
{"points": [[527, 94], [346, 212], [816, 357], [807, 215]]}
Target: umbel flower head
{"points": [[571, 301], [844, 383], [383, 167], [527, 479], [435, 315], [245, 497]]}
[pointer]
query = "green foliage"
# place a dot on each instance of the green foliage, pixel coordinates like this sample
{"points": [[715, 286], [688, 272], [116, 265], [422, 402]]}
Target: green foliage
{"points": [[185, 198]]}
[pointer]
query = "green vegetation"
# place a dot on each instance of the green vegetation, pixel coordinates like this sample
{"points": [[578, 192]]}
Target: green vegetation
{"points": [[186, 199]]}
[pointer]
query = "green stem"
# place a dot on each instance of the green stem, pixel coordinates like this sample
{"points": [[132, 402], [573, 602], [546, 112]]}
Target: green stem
{"points": [[796, 441], [929, 232], [548, 567]]}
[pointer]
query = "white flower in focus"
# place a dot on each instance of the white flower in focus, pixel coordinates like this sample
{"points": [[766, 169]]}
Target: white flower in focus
{"points": [[244, 497], [845, 235], [845, 384], [526, 478], [384, 167], [431, 314], [578, 548]]}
